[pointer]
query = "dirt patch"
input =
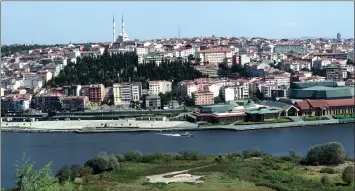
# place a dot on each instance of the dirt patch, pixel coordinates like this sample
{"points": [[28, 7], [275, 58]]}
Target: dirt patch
{"points": [[178, 176]]}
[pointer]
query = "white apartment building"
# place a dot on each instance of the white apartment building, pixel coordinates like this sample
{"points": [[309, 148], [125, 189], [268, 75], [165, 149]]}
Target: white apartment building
{"points": [[142, 51], [156, 87], [239, 91], [216, 56], [188, 88], [266, 90], [297, 66], [184, 52], [319, 63], [244, 59], [126, 92], [278, 80]]}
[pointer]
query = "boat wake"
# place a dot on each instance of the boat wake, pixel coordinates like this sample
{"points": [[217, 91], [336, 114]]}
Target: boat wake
{"points": [[171, 135]]}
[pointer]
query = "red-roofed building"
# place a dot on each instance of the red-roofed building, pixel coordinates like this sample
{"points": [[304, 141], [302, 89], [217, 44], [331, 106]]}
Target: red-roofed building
{"points": [[325, 107]]}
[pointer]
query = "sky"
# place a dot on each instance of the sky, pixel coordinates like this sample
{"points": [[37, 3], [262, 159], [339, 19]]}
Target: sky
{"points": [[64, 22]]}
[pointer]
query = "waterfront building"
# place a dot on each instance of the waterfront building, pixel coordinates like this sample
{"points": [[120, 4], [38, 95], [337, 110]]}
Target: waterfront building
{"points": [[323, 107], [95, 92], [16, 103], [75, 103], [152, 102], [125, 92], [320, 90], [73, 90]]}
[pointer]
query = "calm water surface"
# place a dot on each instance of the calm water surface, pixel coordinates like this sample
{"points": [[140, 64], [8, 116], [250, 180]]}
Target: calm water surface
{"points": [[69, 148]]}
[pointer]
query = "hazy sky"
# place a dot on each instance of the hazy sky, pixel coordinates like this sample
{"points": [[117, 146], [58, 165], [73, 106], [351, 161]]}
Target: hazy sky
{"points": [[61, 22]]}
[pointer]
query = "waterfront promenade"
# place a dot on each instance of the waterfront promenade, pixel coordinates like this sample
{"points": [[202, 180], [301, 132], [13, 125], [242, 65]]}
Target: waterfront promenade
{"points": [[107, 126]]}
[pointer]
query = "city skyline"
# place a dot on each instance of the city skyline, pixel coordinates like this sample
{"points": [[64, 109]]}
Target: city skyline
{"points": [[64, 22]]}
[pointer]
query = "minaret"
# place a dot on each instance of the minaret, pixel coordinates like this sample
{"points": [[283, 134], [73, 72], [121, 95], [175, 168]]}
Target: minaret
{"points": [[122, 26], [114, 29]]}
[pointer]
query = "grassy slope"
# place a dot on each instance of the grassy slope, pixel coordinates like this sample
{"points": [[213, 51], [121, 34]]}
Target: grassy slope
{"points": [[233, 174]]}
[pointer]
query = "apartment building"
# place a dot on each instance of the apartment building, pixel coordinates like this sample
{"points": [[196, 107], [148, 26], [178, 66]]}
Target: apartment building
{"points": [[73, 90], [184, 52], [124, 93], [187, 88], [16, 103], [48, 102], [297, 66], [203, 97], [75, 103], [156, 87], [152, 102], [95, 92], [289, 48], [238, 91], [336, 72], [216, 56]]}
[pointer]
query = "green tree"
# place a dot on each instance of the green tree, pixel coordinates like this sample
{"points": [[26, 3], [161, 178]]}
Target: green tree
{"points": [[191, 57], [31, 180], [327, 154], [348, 175]]}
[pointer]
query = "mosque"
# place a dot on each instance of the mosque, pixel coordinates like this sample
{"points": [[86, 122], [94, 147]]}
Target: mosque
{"points": [[122, 43]]}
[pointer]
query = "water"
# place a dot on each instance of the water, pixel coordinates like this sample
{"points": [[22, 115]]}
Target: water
{"points": [[69, 148]]}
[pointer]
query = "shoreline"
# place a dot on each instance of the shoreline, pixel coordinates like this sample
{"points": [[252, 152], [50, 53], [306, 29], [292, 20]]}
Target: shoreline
{"points": [[167, 129]]}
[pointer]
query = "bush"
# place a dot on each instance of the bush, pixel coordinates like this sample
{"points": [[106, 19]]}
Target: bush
{"points": [[325, 180], [84, 171], [70, 173], [252, 153], [348, 175], [120, 158], [98, 164], [113, 163], [189, 155], [133, 156], [326, 154], [327, 170], [64, 174]]}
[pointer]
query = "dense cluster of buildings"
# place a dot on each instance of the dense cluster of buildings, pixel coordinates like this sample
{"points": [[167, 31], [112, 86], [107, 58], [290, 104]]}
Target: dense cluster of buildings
{"points": [[293, 75]]}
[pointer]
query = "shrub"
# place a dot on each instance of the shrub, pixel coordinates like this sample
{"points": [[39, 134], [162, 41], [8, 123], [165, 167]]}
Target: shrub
{"points": [[132, 156], [189, 155], [84, 171], [326, 154], [98, 164], [327, 170], [113, 163], [348, 175], [120, 158], [325, 180], [64, 174], [252, 153]]}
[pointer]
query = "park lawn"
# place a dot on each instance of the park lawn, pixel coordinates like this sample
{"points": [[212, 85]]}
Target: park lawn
{"points": [[279, 120], [346, 115], [314, 118], [232, 174]]}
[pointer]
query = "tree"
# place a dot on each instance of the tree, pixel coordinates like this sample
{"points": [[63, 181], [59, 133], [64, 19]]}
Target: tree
{"points": [[305, 69], [348, 175], [191, 57], [165, 98], [237, 68], [327, 154], [28, 179], [259, 94]]}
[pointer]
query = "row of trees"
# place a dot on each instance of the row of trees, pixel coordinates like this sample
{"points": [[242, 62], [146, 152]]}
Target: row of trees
{"points": [[108, 69]]}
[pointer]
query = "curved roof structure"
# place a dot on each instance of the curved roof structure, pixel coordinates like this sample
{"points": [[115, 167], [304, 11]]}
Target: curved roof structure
{"points": [[322, 92]]}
